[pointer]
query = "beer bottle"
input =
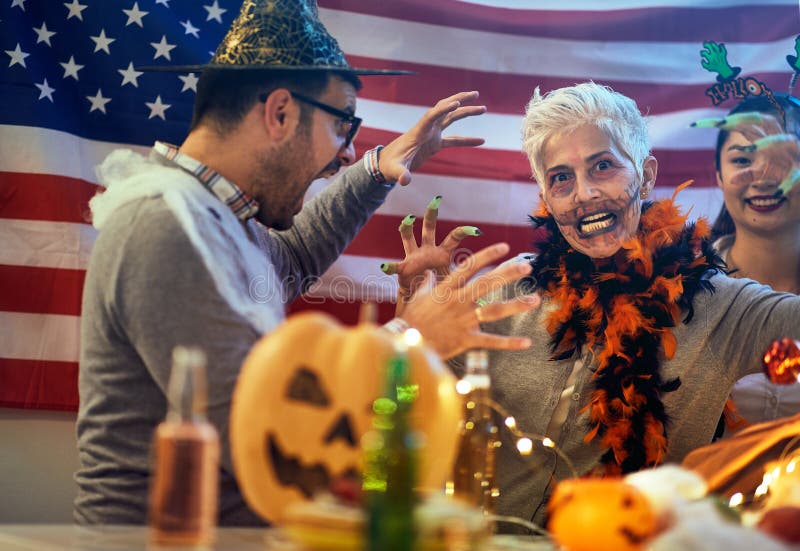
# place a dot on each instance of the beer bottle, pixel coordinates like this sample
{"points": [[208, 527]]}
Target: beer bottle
{"points": [[473, 477], [184, 487], [391, 463]]}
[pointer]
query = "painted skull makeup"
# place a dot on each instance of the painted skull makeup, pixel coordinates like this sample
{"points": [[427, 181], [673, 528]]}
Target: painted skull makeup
{"points": [[593, 190]]}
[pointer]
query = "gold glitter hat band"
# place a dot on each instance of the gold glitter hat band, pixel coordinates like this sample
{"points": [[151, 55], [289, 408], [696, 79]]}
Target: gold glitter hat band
{"points": [[278, 35]]}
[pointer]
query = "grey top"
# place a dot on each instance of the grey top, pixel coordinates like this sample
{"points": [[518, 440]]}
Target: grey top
{"points": [[147, 290], [730, 330]]}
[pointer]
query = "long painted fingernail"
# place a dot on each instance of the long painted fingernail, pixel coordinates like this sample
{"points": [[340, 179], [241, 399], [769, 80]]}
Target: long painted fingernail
{"points": [[481, 302], [389, 268], [471, 230], [708, 123], [789, 182], [773, 140], [749, 117], [407, 222], [435, 202]]}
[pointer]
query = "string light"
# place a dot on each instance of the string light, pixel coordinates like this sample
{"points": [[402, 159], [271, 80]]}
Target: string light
{"points": [[526, 440], [736, 499]]}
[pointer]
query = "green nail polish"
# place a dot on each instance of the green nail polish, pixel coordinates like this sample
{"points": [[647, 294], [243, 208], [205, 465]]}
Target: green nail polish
{"points": [[481, 303], [788, 183], [708, 123], [408, 220], [750, 117], [384, 267], [773, 140], [435, 202], [471, 230]]}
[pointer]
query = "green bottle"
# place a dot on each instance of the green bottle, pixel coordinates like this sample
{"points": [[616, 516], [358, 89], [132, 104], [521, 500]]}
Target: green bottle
{"points": [[390, 465]]}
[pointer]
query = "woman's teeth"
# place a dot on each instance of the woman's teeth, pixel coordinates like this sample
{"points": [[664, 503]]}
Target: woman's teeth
{"points": [[596, 222], [765, 202]]}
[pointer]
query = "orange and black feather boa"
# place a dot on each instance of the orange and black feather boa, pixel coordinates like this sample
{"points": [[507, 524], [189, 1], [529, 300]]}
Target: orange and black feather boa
{"points": [[623, 312]]}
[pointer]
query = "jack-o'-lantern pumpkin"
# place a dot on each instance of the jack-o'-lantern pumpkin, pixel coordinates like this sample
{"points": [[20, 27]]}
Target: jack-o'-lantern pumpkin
{"points": [[304, 399], [599, 514]]}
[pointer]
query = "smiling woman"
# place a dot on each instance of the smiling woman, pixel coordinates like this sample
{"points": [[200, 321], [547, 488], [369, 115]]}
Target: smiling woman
{"points": [[758, 228]]}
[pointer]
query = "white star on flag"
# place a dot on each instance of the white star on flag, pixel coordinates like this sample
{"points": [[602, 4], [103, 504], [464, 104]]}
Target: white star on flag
{"points": [[214, 12], [98, 102], [162, 48], [157, 108], [45, 91], [71, 68], [75, 9], [17, 56], [189, 82], [102, 41], [135, 15], [19, 3], [43, 35], [130, 75], [190, 29]]}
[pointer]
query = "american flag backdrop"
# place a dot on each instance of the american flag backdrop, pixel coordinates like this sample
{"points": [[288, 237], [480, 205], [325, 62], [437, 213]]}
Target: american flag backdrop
{"points": [[70, 93]]}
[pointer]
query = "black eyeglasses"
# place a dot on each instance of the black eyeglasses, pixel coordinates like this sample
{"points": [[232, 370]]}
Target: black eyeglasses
{"points": [[349, 123]]}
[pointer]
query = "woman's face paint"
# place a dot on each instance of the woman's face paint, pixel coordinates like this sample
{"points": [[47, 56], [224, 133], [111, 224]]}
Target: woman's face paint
{"points": [[750, 176], [592, 190]]}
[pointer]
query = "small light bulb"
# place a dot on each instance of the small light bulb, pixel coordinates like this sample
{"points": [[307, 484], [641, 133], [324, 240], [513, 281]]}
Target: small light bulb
{"points": [[525, 446], [791, 466], [463, 387], [449, 488], [547, 443], [736, 499], [511, 422], [761, 490], [412, 337]]}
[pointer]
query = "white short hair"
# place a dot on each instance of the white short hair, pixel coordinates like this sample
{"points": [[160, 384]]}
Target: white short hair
{"points": [[564, 110]]}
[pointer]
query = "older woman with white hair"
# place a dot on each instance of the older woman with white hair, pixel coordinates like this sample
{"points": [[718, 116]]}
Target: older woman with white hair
{"points": [[640, 335]]}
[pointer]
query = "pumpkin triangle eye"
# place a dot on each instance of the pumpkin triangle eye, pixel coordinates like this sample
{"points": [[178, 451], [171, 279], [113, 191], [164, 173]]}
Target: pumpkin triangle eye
{"points": [[306, 387]]}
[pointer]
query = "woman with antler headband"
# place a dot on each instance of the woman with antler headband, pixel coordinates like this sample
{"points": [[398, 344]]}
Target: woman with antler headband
{"points": [[757, 230], [640, 335]]}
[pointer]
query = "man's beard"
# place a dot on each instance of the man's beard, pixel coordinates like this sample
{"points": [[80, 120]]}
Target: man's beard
{"points": [[280, 182]]}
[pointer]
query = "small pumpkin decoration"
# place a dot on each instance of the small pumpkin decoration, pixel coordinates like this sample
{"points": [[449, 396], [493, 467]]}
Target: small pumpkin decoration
{"points": [[304, 399], [599, 514]]}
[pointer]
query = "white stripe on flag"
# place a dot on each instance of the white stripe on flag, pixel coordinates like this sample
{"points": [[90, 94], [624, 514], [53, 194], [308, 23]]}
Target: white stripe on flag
{"points": [[50, 337], [673, 62]]}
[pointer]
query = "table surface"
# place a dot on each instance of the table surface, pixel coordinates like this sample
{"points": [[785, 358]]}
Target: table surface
{"points": [[67, 537]]}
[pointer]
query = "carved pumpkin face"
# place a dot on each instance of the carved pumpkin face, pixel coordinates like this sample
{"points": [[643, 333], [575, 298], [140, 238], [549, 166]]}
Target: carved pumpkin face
{"points": [[593, 514], [304, 399]]}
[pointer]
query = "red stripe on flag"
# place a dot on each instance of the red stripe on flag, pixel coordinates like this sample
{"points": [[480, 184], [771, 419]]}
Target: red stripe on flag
{"points": [[675, 165], [764, 23], [37, 290], [508, 93], [50, 197], [380, 238], [38, 384]]}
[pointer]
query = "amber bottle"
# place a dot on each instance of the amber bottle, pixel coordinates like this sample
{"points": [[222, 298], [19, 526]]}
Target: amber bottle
{"points": [[184, 487], [473, 477]]}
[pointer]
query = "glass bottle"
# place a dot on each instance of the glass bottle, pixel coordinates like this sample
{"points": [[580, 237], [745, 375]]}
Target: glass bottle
{"points": [[184, 487], [391, 463], [473, 478]]}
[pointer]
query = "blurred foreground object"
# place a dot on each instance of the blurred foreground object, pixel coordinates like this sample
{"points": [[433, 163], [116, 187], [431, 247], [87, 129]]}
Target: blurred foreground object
{"points": [[183, 494], [474, 468], [304, 400], [782, 361], [600, 514]]}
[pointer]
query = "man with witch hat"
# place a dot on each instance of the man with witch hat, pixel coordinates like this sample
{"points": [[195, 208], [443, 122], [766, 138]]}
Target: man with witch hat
{"points": [[204, 244]]}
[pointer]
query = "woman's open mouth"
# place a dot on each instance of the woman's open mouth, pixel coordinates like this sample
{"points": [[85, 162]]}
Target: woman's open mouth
{"points": [[596, 223], [764, 203]]}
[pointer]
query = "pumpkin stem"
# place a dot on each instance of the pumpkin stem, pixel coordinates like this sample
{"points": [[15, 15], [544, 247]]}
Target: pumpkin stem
{"points": [[368, 313]]}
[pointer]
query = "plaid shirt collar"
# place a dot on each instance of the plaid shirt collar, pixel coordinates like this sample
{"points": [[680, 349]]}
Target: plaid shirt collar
{"points": [[242, 205]]}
